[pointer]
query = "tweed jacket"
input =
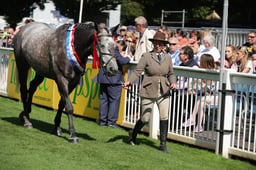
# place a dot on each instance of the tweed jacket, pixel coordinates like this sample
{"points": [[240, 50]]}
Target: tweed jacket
{"points": [[154, 72], [143, 44]]}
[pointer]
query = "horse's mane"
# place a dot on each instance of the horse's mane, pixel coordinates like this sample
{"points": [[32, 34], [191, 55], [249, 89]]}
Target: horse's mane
{"points": [[85, 25]]}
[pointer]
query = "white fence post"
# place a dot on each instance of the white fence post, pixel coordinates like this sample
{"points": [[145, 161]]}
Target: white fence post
{"points": [[227, 129]]}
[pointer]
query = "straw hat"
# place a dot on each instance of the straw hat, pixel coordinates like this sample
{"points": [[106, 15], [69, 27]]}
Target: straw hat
{"points": [[159, 36]]}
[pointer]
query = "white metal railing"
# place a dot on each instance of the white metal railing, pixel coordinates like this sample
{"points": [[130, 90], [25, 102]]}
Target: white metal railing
{"points": [[239, 112], [244, 114], [164, 14], [4, 60]]}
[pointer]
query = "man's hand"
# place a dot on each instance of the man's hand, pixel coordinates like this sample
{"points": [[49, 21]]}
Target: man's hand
{"points": [[126, 85]]}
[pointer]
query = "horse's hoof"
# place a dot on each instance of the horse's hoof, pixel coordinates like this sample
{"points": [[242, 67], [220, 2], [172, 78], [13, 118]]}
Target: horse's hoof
{"points": [[28, 125], [58, 131], [73, 140]]}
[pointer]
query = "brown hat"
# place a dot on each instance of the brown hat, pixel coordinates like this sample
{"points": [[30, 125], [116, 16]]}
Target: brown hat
{"points": [[159, 36]]}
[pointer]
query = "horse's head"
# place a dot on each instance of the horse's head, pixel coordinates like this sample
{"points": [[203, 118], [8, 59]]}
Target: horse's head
{"points": [[106, 50]]}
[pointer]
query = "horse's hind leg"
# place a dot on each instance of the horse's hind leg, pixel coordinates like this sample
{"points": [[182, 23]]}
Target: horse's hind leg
{"points": [[29, 95], [33, 86], [23, 72]]}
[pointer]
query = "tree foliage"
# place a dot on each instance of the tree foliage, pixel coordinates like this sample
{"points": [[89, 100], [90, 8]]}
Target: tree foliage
{"points": [[93, 10], [240, 13], [13, 10]]}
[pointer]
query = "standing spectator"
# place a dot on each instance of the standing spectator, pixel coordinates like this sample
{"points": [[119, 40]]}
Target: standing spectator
{"points": [[182, 37], [168, 33], [157, 68], [244, 64], [210, 48], [174, 50], [7, 36], [207, 62], [143, 44], [122, 31], [110, 92], [121, 45], [25, 22], [251, 41], [131, 41]]}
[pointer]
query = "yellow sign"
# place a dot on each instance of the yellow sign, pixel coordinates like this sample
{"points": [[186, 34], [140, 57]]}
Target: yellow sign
{"points": [[85, 97]]}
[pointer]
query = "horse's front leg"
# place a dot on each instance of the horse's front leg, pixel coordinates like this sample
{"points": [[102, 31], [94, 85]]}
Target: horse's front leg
{"points": [[69, 109], [64, 89], [57, 129]]}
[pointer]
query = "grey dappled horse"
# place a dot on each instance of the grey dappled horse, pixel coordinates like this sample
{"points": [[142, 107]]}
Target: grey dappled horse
{"points": [[60, 54]]}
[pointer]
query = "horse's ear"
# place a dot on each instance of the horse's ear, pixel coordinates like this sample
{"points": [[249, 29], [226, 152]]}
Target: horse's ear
{"points": [[114, 29]]}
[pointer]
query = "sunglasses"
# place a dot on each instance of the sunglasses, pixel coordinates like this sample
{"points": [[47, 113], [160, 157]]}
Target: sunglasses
{"points": [[122, 30], [251, 36], [172, 44]]}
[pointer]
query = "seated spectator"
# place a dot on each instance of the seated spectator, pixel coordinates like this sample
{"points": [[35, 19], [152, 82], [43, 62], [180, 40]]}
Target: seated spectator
{"points": [[187, 57], [182, 37], [254, 62], [210, 48], [195, 45], [187, 60], [206, 62], [230, 58], [244, 64], [174, 50], [251, 41]]}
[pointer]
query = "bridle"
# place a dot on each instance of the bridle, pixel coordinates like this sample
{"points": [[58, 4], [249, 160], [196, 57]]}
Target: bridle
{"points": [[102, 64]]}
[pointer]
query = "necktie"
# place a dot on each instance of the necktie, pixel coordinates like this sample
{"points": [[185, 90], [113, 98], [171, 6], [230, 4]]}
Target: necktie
{"points": [[159, 57]]}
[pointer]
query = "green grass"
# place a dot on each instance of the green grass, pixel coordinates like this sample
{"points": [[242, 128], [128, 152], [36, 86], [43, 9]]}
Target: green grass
{"points": [[99, 147]]}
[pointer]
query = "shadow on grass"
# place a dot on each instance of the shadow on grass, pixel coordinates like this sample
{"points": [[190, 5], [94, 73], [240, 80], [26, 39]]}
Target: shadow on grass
{"points": [[44, 127], [139, 141]]}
